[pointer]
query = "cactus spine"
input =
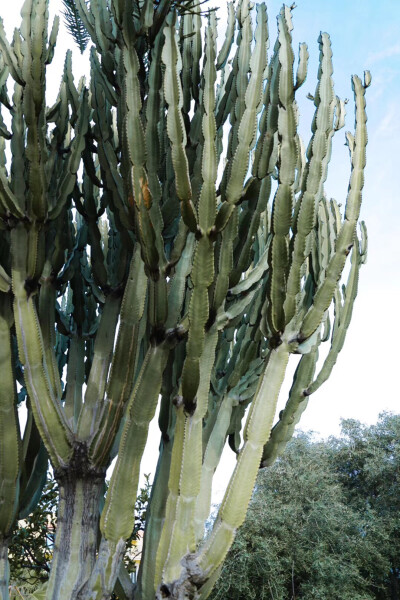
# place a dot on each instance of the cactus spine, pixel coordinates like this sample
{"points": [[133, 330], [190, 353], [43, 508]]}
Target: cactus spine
{"points": [[146, 256]]}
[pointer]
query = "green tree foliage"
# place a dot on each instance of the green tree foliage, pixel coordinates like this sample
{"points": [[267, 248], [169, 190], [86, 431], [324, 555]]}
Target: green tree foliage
{"points": [[31, 543], [367, 460], [323, 523]]}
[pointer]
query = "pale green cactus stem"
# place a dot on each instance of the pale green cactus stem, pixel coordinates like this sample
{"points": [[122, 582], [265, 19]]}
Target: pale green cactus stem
{"points": [[90, 416], [315, 172], [212, 456], [175, 125], [284, 197], [116, 524], [181, 502], [343, 313], [258, 426], [10, 447], [4, 569], [229, 37], [346, 235], [283, 431], [46, 314], [49, 417], [155, 516], [124, 360], [76, 536]]}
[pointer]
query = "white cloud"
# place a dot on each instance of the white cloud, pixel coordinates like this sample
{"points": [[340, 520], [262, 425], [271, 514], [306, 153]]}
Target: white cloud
{"points": [[389, 123], [384, 54]]}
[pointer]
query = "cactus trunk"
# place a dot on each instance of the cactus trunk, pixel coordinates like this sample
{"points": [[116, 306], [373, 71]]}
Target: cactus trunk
{"points": [[4, 569], [76, 540]]}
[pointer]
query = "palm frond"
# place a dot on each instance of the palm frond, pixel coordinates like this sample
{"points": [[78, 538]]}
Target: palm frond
{"points": [[75, 25]]}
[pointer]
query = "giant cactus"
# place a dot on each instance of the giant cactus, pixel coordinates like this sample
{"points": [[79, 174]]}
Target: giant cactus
{"points": [[148, 258]]}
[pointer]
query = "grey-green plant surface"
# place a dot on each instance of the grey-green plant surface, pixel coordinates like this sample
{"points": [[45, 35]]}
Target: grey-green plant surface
{"points": [[147, 258]]}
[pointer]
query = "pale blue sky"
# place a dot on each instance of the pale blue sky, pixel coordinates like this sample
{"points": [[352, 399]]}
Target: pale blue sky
{"points": [[365, 34]]}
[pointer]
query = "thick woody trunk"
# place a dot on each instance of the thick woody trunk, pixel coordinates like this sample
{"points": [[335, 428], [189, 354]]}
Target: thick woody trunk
{"points": [[76, 539], [4, 569]]}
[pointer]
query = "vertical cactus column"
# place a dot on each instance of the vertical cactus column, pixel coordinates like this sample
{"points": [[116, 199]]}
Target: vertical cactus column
{"points": [[164, 238]]}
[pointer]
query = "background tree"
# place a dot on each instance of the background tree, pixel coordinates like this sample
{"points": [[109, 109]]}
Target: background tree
{"points": [[323, 521], [133, 268], [367, 460]]}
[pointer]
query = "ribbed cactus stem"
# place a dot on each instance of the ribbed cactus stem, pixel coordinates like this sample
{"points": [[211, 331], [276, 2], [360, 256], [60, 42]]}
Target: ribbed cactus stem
{"points": [[258, 427], [4, 569]]}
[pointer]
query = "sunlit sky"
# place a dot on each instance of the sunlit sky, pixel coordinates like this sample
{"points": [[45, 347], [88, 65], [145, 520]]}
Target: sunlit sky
{"points": [[365, 34]]}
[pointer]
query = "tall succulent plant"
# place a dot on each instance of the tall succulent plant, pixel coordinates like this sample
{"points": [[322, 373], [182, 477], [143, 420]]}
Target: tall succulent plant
{"points": [[145, 259]]}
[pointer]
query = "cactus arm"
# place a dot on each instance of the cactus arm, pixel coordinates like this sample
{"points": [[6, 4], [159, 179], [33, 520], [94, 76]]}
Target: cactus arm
{"points": [[342, 321], [52, 40], [229, 37], [177, 285], [346, 235], [258, 426], [182, 533], [225, 260], [124, 360], [5, 280], [268, 120], [196, 54], [283, 430], [283, 201], [99, 270], [252, 101], [173, 492], [31, 493], [18, 148], [316, 171], [302, 65], [135, 141], [90, 415], [108, 89], [68, 177], [34, 49], [10, 57], [175, 125], [186, 29], [116, 520], [212, 455], [46, 313], [10, 451], [243, 253], [146, 14], [236, 103], [155, 517], [227, 314], [152, 140], [9, 202], [255, 274], [48, 413], [34, 463], [202, 271], [75, 380]]}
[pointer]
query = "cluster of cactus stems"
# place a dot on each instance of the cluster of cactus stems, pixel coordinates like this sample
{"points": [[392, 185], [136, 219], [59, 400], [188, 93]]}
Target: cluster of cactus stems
{"points": [[147, 258]]}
